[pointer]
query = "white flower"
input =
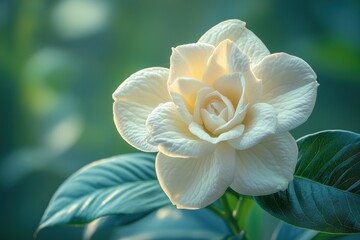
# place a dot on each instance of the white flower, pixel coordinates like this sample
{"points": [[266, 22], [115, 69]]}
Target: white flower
{"points": [[219, 117]]}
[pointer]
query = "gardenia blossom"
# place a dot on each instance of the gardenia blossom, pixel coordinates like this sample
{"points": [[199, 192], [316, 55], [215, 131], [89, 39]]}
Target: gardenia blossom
{"points": [[219, 116]]}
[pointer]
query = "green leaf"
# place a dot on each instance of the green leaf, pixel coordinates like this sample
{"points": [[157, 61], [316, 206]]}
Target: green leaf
{"points": [[325, 192], [251, 219], [327, 236], [109, 222], [124, 184], [285, 231], [171, 223]]}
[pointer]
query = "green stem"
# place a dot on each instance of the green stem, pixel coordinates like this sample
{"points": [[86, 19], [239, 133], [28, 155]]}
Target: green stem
{"points": [[231, 221], [217, 211], [237, 211]]}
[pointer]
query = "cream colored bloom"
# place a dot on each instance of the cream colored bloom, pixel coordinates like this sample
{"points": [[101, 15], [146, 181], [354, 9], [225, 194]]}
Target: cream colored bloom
{"points": [[219, 117]]}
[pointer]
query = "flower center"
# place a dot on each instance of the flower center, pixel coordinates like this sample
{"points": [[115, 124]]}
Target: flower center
{"points": [[212, 110], [216, 107]]}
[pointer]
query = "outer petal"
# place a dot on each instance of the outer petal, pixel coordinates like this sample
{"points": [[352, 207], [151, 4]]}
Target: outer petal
{"points": [[189, 61], [194, 183], [267, 167], [168, 130], [235, 30], [134, 99], [289, 85], [260, 122]]}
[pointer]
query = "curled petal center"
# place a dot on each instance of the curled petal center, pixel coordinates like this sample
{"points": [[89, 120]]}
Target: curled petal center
{"points": [[212, 109]]}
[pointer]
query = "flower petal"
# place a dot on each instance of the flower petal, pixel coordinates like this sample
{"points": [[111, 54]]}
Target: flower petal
{"points": [[198, 103], [231, 86], [227, 58], [193, 183], [182, 107], [199, 131], [209, 100], [267, 167], [168, 130], [260, 122], [289, 85], [184, 92], [211, 121], [134, 100], [189, 61], [235, 31], [236, 120]]}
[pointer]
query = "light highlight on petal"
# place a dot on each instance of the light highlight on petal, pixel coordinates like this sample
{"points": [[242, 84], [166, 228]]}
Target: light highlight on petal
{"points": [[289, 85], [184, 92], [235, 31], [189, 60]]}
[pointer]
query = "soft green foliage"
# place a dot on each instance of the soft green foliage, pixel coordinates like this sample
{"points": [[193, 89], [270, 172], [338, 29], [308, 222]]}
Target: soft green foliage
{"points": [[124, 184], [285, 232], [171, 223], [111, 221], [325, 192], [251, 219]]}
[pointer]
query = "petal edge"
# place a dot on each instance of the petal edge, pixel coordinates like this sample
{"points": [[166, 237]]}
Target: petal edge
{"points": [[135, 99], [267, 167], [193, 183]]}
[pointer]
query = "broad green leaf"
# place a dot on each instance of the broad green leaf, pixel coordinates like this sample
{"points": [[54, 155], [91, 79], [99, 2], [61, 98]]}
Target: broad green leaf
{"points": [[111, 221], [327, 236], [124, 184], [171, 223], [285, 231], [325, 192]]}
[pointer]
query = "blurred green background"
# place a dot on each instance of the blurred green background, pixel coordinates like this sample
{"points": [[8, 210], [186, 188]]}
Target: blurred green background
{"points": [[60, 61]]}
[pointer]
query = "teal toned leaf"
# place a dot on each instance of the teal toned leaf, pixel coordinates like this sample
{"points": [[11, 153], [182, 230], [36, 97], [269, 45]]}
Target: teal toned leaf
{"points": [[109, 222], [325, 192], [285, 232], [171, 223], [326, 236], [124, 184]]}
